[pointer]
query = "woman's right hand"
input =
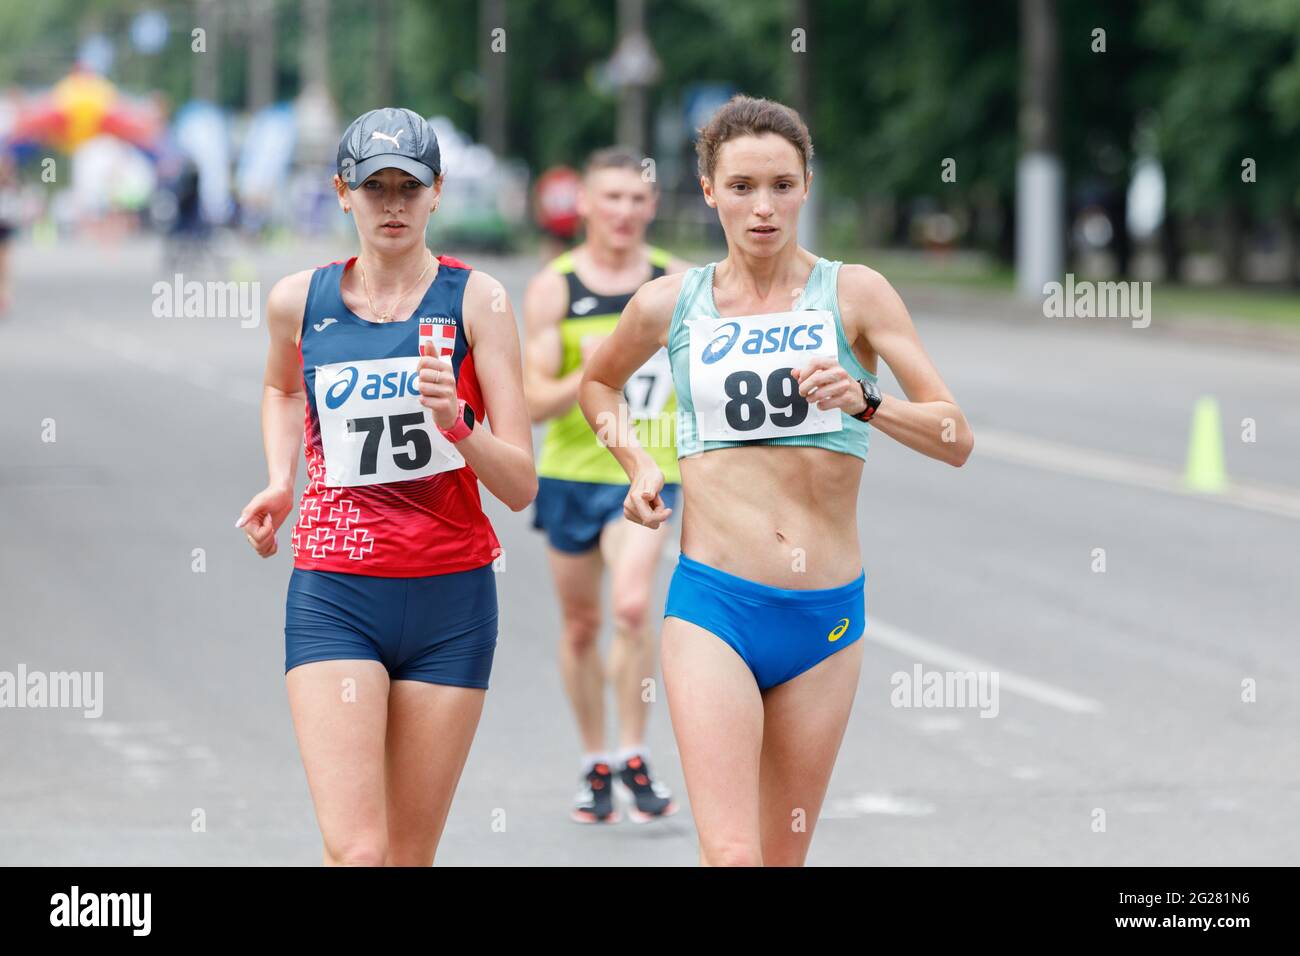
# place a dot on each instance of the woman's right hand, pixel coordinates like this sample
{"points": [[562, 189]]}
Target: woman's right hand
{"points": [[643, 503], [262, 517], [437, 385]]}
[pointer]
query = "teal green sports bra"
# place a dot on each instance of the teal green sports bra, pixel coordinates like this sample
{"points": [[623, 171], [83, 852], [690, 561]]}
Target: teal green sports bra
{"points": [[695, 301]]}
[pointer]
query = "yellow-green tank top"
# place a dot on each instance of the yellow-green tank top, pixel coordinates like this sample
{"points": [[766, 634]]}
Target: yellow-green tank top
{"points": [[571, 450]]}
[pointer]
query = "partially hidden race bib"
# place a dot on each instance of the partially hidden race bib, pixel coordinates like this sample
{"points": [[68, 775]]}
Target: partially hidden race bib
{"points": [[740, 375], [373, 428], [647, 391]]}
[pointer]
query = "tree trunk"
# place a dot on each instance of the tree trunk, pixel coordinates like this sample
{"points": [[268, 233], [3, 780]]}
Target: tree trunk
{"points": [[1233, 244], [1122, 244], [1040, 175], [1291, 242], [492, 104], [1006, 246], [382, 67], [261, 54], [1171, 246]]}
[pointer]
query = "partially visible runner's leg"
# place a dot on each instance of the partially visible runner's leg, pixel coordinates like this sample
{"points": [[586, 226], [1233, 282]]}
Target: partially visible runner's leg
{"points": [[577, 582], [633, 553], [340, 712], [805, 719], [717, 715]]}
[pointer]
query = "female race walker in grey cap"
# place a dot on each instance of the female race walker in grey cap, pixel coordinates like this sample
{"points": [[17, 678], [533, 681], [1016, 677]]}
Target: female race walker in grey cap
{"points": [[387, 368]]}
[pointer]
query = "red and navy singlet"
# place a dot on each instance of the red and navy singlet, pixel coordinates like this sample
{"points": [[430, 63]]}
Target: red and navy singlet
{"points": [[386, 494]]}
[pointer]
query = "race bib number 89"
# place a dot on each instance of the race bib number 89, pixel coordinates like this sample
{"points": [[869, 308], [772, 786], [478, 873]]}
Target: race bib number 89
{"points": [[373, 428], [740, 375]]}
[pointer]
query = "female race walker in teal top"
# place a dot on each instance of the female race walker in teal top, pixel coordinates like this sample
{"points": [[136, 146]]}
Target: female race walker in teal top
{"points": [[773, 352]]}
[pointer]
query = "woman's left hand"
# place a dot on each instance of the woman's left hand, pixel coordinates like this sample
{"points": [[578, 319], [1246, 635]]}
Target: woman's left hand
{"points": [[826, 384]]}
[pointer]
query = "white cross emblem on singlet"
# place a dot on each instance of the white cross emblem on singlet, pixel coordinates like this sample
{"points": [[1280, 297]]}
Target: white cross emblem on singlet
{"points": [[308, 513], [315, 476], [359, 544], [344, 515], [320, 540]]}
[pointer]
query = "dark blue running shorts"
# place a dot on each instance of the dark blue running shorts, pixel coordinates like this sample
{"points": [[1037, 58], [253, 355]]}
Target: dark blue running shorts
{"points": [[441, 629], [573, 513]]}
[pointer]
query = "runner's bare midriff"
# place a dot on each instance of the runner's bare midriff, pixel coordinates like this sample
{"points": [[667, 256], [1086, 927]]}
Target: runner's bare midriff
{"points": [[782, 515]]}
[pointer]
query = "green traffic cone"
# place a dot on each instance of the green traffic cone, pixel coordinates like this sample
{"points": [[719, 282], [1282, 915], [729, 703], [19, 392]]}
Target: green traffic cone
{"points": [[45, 233], [1205, 470], [242, 270]]}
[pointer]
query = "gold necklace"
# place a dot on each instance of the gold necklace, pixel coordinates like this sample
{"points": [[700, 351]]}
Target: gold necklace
{"points": [[388, 316]]}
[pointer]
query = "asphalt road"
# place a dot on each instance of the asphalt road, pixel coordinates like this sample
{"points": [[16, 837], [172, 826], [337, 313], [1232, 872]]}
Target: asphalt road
{"points": [[1119, 691]]}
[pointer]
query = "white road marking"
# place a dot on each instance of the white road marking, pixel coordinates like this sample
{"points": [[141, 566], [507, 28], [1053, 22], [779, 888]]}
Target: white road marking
{"points": [[939, 725], [141, 351], [1108, 466], [149, 748], [1148, 806], [861, 804], [1223, 803], [921, 649]]}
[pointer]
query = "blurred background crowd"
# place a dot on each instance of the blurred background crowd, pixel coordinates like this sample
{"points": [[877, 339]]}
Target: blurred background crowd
{"points": [[1172, 125]]}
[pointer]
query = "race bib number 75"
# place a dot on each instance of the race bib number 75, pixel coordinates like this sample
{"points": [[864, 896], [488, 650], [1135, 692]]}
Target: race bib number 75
{"points": [[740, 375], [373, 428]]}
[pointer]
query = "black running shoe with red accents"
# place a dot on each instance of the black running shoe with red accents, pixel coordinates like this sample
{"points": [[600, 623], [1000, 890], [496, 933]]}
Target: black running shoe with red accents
{"points": [[595, 800], [649, 798]]}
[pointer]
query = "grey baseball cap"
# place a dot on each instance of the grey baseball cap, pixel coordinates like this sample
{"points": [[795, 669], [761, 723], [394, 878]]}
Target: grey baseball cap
{"points": [[386, 137]]}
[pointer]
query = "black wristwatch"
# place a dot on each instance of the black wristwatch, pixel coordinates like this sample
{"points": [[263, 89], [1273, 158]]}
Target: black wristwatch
{"points": [[870, 395]]}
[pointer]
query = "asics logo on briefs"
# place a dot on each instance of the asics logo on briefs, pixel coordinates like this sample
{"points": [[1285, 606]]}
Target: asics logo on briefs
{"points": [[392, 139], [778, 338], [584, 305], [376, 386], [839, 630], [713, 351], [324, 324]]}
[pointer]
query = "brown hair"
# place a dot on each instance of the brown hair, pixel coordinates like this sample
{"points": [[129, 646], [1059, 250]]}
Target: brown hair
{"points": [[749, 116], [612, 157]]}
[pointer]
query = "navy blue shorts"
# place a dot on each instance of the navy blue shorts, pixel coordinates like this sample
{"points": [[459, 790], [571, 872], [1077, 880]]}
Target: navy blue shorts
{"points": [[573, 513], [441, 629]]}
